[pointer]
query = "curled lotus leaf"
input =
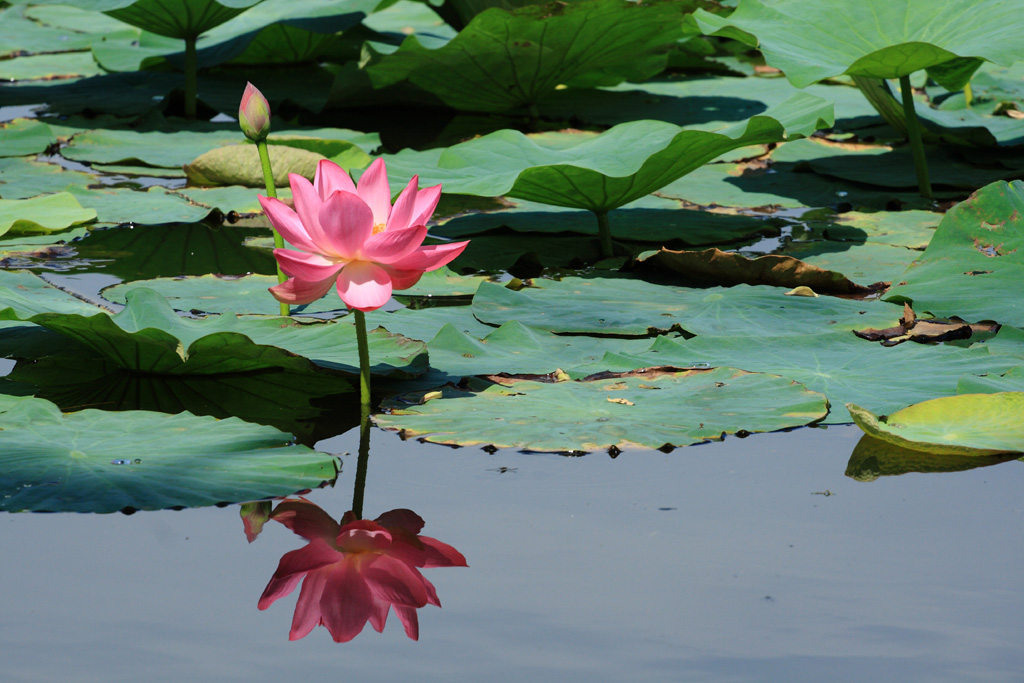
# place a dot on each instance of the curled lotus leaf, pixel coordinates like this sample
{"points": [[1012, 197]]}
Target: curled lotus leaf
{"points": [[967, 424]]}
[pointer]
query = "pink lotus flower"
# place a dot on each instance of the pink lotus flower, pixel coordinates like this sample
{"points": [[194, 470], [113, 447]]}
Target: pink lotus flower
{"points": [[355, 571], [254, 114], [352, 237]]}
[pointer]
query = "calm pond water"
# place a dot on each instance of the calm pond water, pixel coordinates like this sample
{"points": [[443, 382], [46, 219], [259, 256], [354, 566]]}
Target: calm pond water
{"points": [[720, 562]]}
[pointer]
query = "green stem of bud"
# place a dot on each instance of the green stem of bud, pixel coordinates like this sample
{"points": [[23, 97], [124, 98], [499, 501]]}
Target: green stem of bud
{"points": [[268, 181]]}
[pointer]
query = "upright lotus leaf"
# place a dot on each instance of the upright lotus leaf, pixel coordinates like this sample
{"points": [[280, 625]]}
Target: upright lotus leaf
{"points": [[654, 408], [182, 19], [600, 172], [812, 41], [98, 461], [46, 213], [974, 266], [873, 458], [967, 424], [877, 39], [503, 59]]}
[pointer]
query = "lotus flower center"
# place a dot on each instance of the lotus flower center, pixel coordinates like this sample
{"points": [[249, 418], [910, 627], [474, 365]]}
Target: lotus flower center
{"points": [[378, 227]]}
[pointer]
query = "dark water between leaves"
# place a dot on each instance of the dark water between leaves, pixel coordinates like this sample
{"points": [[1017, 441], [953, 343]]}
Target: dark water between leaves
{"points": [[720, 562]]}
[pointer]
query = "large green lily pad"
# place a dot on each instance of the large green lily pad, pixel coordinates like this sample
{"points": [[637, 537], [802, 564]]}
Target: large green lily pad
{"points": [[812, 41], [836, 363], [623, 307], [599, 172], [657, 408], [974, 266], [48, 213], [967, 424], [97, 461], [503, 60]]}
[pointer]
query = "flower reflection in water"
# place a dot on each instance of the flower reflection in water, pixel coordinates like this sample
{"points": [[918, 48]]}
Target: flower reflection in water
{"points": [[356, 570]]}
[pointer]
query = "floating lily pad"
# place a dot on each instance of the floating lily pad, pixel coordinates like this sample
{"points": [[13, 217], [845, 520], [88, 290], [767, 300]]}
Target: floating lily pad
{"points": [[865, 263], [515, 348], [656, 409], [24, 136], [622, 307], [835, 363], [878, 38], [910, 229], [1011, 380], [151, 207], [49, 67], [967, 424], [21, 178], [97, 461], [599, 172], [974, 266], [28, 294], [506, 59], [48, 213], [873, 458]]}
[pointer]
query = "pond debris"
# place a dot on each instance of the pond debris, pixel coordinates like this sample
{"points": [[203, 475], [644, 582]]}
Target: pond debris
{"points": [[925, 330]]}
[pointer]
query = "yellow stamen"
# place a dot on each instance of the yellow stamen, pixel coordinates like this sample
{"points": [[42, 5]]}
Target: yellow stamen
{"points": [[378, 227]]}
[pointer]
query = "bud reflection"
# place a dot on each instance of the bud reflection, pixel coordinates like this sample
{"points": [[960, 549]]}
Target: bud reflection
{"points": [[354, 571]]}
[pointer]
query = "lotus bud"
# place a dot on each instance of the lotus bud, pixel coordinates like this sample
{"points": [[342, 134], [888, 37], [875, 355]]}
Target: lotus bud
{"points": [[254, 114]]}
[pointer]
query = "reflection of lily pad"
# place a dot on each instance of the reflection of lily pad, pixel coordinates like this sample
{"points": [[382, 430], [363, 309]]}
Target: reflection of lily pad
{"points": [[97, 461], [967, 424], [873, 458], [655, 408]]}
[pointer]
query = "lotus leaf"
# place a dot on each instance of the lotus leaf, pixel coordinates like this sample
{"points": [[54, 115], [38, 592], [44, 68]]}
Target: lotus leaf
{"points": [[633, 308], [97, 461], [47, 213], [835, 363], [599, 172], [655, 408], [147, 336], [967, 424], [24, 178], [974, 264], [1011, 380], [503, 60], [812, 41], [24, 136]]}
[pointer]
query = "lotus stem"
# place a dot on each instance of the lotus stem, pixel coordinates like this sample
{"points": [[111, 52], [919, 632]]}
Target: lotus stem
{"points": [[604, 231], [268, 181], [191, 80], [363, 462], [877, 92], [364, 361], [914, 134]]}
